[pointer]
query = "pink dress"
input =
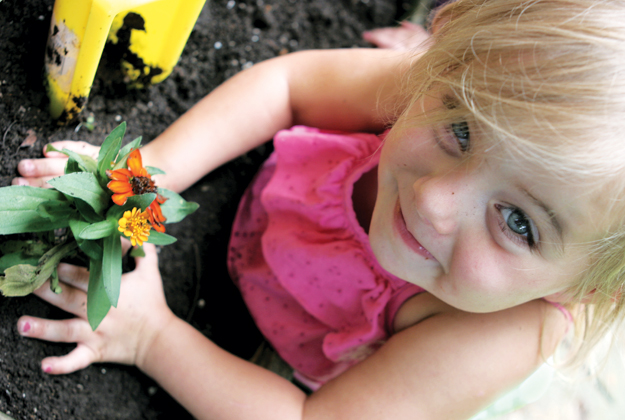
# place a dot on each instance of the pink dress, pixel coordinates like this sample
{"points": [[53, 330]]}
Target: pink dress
{"points": [[302, 261]]}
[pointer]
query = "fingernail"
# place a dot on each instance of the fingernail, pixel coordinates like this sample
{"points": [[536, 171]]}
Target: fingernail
{"points": [[19, 181], [25, 327]]}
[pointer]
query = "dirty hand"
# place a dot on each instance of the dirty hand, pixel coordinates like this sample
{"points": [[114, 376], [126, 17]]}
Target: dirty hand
{"points": [[125, 333], [37, 172]]}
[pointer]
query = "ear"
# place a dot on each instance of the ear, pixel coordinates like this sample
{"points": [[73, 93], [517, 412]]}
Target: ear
{"points": [[441, 17]]}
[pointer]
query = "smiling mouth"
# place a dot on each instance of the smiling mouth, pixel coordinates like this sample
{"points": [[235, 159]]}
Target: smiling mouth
{"points": [[404, 233]]}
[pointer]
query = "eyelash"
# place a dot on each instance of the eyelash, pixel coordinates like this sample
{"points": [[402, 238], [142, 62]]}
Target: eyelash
{"points": [[461, 138], [526, 239]]}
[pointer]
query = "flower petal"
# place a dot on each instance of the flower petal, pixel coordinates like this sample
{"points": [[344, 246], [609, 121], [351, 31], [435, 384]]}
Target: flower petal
{"points": [[119, 174], [119, 186], [135, 164], [120, 199]]}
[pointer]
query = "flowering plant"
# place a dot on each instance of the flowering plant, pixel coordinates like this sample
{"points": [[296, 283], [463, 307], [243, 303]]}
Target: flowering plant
{"points": [[88, 209]]}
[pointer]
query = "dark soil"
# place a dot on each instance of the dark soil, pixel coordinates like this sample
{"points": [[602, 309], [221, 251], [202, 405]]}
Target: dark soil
{"points": [[196, 284]]}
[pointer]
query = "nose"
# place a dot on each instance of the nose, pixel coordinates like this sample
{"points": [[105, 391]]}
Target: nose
{"points": [[437, 199]]}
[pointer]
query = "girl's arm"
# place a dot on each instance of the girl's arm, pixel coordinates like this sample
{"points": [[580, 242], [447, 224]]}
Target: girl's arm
{"points": [[349, 89], [335, 89], [447, 366]]}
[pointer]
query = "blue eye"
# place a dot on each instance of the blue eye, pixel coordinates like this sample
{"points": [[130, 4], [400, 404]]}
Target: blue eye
{"points": [[517, 222], [461, 131]]}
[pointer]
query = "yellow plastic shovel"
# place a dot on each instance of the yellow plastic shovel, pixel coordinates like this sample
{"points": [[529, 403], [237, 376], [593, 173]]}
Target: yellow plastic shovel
{"points": [[148, 35]]}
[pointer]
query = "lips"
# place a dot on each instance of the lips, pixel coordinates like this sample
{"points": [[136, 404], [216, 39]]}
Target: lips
{"points": [[404, 233]]}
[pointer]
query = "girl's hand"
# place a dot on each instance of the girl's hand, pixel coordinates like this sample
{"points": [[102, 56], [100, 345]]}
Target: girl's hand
{"points": [[37, 172], [124, 334]]}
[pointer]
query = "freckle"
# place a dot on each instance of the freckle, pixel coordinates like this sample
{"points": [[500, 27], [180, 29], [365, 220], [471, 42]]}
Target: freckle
{"points": [[321, 305], [302, 334], [340, 290], [285, 306], [267, 299], [236, 234]]}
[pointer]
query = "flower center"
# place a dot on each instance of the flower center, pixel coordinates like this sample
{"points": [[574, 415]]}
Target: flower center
{"points": [[142, 185]]}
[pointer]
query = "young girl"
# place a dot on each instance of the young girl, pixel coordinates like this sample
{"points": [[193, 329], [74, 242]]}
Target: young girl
{"points": [[419, 273]]}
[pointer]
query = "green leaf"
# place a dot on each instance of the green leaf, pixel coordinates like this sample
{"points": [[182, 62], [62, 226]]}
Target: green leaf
{"points": [[86, 211], [112, 267], [140, 201], [83, 185], [98, 303], [93, 249], [137, 251], [122, 157], [55, 209], [158, 238], [109, 150], [19, 280], [50, 148], [18, 210], [23, 279], [72, 167], [16, 258], [176, 208], [99, 230], [86, 163], [154, 171]]}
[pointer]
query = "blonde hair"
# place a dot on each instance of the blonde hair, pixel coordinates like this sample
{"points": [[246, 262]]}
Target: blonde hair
{"points": [[544, 80]]}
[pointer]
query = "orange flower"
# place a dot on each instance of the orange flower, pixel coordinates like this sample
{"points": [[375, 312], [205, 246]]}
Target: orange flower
{"points": [[136, 181]]}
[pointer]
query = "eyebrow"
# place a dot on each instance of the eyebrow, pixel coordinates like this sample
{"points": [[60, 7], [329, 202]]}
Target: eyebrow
{"points": [[555, 223]]}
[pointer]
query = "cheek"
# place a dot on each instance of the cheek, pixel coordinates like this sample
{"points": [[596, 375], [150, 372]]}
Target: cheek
{"points": [[485, 280]]}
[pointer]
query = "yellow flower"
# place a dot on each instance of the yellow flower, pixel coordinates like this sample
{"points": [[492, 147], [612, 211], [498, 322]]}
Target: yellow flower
{"points": [[134, 224]]}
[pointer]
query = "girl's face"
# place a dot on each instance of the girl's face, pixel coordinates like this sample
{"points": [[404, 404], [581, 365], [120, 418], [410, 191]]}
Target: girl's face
{"points": [[478, 233]]}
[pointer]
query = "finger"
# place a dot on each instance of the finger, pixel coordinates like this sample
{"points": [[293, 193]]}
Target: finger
{"points": [[38, 168], [79, 358], [74, 275], [126, 245], [150, 259], [33, 182], [77, 146], [64, 331], [71, 300]]}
